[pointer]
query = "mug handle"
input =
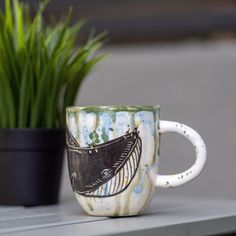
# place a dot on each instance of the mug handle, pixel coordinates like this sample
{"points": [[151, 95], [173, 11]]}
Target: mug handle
{"points": [[166, 181]]}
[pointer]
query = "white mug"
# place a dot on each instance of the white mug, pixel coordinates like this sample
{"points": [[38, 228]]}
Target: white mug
{"points": [[113, 154]]}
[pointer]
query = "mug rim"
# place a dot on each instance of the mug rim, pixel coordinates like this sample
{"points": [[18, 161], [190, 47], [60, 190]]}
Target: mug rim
{"points": [[115, 108]]}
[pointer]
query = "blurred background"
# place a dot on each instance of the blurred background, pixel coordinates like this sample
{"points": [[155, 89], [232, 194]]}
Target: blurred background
{"points": [[179, 54], [135, 21]]}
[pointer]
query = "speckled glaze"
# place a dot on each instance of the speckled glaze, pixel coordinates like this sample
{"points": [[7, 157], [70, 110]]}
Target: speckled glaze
{"points": [[91, 127]]}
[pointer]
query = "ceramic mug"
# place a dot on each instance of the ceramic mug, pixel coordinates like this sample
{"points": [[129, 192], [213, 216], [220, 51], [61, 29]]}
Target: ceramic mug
{"points": [[113, 154]]}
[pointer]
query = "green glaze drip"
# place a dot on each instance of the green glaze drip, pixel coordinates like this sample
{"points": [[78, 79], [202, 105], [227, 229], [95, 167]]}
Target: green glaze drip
{"points": [[132, 121], [94, 137], [150, 194], [113, 116], [117, 206], [104, 135], [156, 152], [77, 120], [116, 214], [126, 202], [98, 109], [97, 120], [89, 205], [129, 191], [91, 136]]}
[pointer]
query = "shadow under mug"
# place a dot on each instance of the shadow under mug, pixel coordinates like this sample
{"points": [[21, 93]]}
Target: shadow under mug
{"points": [[113, 154]]}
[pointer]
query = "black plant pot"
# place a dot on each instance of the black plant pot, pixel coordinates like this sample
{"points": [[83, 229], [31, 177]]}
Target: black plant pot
{"points": [[30, 166]]}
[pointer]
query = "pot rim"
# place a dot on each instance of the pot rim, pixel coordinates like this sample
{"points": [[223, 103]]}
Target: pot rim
{"points": [[31, 139]]}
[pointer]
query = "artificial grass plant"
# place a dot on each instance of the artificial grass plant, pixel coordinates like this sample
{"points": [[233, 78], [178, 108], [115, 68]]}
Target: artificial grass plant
{"points": [[41, 67]]}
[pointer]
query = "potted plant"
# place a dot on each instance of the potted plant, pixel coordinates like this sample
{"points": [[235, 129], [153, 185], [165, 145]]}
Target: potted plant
{"points": [[41, 70]]}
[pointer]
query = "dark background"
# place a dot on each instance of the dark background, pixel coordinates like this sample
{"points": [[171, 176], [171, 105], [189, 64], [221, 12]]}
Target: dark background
{"points": [[152, 20]]}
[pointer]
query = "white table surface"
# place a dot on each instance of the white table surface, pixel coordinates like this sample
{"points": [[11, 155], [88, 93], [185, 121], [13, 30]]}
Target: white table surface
{"points": [[165, 216]]}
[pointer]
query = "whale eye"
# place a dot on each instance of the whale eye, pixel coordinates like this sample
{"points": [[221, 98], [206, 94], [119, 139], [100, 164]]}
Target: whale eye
{"points": [[106, 173]]}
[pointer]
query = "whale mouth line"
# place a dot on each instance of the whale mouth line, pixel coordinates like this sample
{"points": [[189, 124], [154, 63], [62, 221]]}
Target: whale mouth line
{"points": [[110, 166]]}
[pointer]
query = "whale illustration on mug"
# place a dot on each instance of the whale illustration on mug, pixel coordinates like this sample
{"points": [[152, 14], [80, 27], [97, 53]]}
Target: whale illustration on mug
{"points": [[111, 175], [113, 154]]}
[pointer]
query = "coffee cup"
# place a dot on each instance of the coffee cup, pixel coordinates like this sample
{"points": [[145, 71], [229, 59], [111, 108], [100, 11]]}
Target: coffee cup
{"points": [[113, 157]]}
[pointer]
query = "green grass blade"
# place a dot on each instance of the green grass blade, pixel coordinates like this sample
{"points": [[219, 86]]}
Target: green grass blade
{"points": [[24, 98], [3, 109], [9, 103], [19, 25], [75, 82], [8, 15], [44, 84]]}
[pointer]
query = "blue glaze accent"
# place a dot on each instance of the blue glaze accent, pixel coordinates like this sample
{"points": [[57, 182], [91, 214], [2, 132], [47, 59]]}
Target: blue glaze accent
{"points": [[121, 122], [147, 170], [71, 115], [106, 189], [86, 136], [142, 115], [106, 123], [138, 189]]}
